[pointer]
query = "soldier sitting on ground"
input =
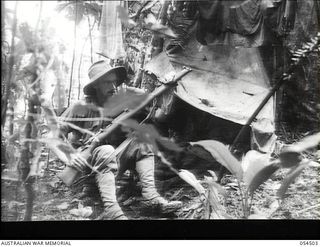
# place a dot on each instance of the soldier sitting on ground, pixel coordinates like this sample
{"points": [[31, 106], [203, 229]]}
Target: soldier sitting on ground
{"points": [[104, 81]]}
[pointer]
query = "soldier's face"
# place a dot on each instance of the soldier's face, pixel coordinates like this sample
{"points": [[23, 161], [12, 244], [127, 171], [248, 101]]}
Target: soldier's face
{"points": [[107, 86]]}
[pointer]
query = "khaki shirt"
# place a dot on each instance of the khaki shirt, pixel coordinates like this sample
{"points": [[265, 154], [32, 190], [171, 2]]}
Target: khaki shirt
{"points": [[89, 117]]}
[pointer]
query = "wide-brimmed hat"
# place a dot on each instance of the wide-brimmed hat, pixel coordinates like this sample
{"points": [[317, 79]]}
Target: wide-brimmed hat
{"points": [[102, 69]]}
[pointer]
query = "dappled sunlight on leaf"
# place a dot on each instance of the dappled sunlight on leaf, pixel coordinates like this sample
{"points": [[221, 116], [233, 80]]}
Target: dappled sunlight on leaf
{"points": [[62, 149], [222, 154], [252, 163], [192, 180], [305, 143]]}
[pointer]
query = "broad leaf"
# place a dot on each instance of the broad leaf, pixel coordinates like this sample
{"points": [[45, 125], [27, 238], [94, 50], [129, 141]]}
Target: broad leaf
{"points": [[124, 17], [52, 120], [147, 133], [93, 9], [192, 180], [305, 143], [62, 6], [252, 163], [314, 164], [262, 176], [290, 177], [154, 25], [289, 159], [62, 149], [125, 99], [150, 4], [291, 155], [170, 145], [214, 185], [215, 205], [144, 133], [222, 154]]}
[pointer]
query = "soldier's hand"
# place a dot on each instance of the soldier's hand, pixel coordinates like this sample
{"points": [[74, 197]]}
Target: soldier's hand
{"points": [[78, 161]]}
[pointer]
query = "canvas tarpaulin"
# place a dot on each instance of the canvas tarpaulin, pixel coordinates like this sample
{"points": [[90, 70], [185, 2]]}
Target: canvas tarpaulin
{"points": [[226, 82], [248, 23], [110, 40]]}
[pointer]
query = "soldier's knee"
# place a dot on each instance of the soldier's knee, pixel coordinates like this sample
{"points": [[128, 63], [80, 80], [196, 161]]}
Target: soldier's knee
{"points": [[104, 150]]}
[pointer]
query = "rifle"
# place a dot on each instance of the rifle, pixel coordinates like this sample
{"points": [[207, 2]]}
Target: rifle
{"points": [[69, 174], [286, 76]]}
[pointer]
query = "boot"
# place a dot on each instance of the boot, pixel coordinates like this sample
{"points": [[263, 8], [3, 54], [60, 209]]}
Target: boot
{"points": [[164, 205], [145, 170], [106, 185], [89, 190]]}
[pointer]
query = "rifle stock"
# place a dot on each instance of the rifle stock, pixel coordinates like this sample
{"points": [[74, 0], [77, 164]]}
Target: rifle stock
{"points": [[70, 174]]}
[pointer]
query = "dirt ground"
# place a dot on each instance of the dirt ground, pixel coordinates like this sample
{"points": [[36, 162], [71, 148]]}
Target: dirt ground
{"points": [[56, 202]]}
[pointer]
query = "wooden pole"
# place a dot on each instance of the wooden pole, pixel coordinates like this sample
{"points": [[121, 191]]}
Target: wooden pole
{"points": [[284, 78]]}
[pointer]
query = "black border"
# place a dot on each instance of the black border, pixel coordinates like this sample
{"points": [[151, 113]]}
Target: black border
{"points": [[169, 229], [164, 229]]}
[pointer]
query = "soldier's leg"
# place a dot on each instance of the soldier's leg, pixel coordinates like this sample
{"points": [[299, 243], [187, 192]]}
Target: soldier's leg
{"points": [[144, 166], [106, 181], [90, 189], [145, 169]]}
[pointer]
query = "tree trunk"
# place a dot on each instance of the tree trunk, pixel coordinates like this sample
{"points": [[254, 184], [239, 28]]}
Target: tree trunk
{"points": [[26, 156], [30, 133], [90, 35], [157, 42], [11, 118], [74, 53], [139, 74], [79, 67], [2, 19], [81, 55], [8, 80]]}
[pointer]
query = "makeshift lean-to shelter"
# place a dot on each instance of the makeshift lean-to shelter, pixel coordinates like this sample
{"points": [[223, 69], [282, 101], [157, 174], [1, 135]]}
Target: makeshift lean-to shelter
{"points": [[230, 78], [226, 82]]}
